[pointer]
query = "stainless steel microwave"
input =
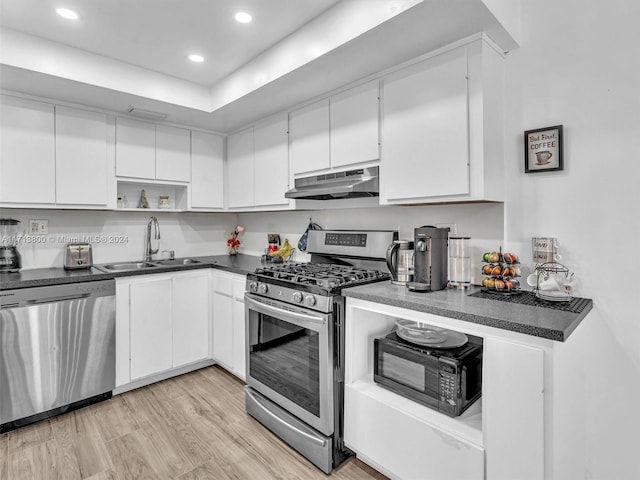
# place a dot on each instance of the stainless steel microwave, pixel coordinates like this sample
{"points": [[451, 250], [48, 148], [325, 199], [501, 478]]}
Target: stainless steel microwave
{"points": [[447, 380]]}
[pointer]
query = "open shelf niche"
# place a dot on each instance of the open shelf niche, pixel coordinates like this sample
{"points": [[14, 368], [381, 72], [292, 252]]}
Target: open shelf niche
{"points": [[131, 191]]}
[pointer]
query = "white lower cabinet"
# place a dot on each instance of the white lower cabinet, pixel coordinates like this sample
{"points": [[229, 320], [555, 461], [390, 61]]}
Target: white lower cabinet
{"points": [[228, 322], [162, 323], [150, 326], [500, 437], [405, 446], [191, 317]]}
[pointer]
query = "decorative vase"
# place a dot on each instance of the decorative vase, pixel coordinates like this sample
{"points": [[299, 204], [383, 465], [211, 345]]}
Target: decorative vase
{"points": [[233, 250]]}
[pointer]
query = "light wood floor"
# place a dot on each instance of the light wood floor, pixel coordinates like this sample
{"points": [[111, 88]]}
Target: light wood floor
{"points": [[189, 427]]}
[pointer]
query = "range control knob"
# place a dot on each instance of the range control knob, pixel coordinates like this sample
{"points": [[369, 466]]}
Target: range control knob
{"points": [[309, 300], [253, 286], [297, 297], [263, 288]]}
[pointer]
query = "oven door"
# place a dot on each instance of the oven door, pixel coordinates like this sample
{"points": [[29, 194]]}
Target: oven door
{"points": [[289, 360]]}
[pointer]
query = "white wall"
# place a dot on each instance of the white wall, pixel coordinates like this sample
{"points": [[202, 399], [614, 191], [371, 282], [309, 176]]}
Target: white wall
{"points": [[120, 236], [482, 222], [579, 66]]}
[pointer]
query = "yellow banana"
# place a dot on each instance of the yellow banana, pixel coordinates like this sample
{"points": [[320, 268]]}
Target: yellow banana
{"points": [[283, 252]]}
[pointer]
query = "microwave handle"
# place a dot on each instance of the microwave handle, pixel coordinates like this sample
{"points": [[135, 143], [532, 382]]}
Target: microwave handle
{"points": [[279, 313]]}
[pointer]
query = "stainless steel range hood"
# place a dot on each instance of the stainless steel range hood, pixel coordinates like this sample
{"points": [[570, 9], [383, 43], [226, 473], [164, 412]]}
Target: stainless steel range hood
{"points": [[362, 182]]}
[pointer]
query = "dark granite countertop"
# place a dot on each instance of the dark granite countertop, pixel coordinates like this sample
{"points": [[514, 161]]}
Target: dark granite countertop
{"points": [[39, 277], [528, 319]]}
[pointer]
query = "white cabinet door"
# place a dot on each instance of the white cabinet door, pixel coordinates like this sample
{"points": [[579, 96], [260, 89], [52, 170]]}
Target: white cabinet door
{"points": [[123, 327], [150, 318], [135, 149], [402, 446], [309, 138], [190, 295], [228, 321], [27, 151], [81, 157], [239, 360], [223, 329], [271, 162], [239, 336], [207, 170], [425, 138], [173, 154], [513, 403], [240, 173], [355, 132]]}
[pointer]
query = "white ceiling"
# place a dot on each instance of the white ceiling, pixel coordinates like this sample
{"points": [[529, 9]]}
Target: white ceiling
{"points": [[158, 35], [134, 52]]}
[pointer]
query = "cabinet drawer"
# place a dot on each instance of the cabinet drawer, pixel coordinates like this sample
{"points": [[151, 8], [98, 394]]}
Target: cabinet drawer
{"points": [[239, 286], [401, 446], [223, 283]]}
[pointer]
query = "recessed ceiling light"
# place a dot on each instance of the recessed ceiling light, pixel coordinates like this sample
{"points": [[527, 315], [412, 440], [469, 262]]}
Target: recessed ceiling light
{"points": [[194, 57], [66, 13], [243, 17]]}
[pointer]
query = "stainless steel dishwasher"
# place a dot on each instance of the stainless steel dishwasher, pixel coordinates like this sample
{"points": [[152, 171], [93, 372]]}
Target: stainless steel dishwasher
{"points": [[57, 350]]}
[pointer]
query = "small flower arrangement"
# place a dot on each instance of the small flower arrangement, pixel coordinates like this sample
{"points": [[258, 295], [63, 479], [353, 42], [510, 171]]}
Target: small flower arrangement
{"points": [[233, 244]]}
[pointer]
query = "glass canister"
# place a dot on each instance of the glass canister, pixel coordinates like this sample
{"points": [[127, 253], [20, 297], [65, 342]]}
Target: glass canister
{"points": [[460, 262]]}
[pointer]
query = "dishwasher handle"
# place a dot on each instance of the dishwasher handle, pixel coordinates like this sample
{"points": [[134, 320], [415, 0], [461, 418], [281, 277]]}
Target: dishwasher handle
{"points": [[63, 298], [30, 296]]}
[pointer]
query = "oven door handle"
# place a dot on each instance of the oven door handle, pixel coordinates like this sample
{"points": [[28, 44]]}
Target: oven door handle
{"points": [[279, 313]]}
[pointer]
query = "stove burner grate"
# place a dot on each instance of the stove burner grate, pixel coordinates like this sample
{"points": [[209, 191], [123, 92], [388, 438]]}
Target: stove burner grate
{"points": [[325, 275]]}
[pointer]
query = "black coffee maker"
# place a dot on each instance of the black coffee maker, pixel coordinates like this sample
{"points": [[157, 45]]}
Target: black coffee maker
{"points": [[10, 233], [430, 259]]}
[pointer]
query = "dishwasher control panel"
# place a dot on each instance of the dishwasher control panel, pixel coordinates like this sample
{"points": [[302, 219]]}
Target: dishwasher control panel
{"points": [[23, 297]]}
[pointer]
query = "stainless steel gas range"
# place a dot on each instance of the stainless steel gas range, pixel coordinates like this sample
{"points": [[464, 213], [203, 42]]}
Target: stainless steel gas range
{"points": [[294, 319]]}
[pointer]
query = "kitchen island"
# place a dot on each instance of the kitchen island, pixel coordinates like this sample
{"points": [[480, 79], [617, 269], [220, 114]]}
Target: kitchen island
{"points": [[526, 414]]}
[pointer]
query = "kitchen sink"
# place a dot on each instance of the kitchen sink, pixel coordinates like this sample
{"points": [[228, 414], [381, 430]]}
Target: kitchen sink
{"points": [[176, 261], [126, 266]]}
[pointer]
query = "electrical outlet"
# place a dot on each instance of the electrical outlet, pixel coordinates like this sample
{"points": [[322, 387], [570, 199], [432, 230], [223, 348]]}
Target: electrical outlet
{"points": [[38, 227]]}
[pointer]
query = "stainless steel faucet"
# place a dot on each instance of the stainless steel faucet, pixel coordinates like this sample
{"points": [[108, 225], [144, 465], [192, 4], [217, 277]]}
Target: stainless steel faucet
{"points": [[153, 221]]}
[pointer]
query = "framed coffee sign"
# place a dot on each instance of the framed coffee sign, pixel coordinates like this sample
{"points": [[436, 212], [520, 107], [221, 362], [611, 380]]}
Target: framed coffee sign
{"points": [[543, 149]]}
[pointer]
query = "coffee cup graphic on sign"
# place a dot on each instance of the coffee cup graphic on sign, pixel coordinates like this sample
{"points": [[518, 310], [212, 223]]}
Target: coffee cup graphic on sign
{"points": [[543, 157], [544, 249]]}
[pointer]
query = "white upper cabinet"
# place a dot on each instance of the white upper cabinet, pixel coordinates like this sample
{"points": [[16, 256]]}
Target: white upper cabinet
{"points": [[258, 165], [271, 162], [153, 152], [336, 132], [425, 143], [441, 128], [309, 138], [173, 154], [81, 157], [240, 173], [27, 152], [135, 149], [52, 155], [355, 132], [207, 170]]}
